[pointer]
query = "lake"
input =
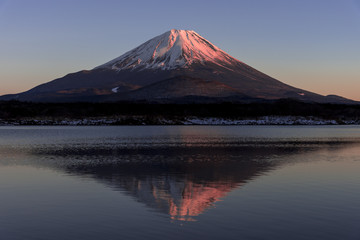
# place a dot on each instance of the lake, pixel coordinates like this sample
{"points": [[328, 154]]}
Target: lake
{"points": [[180, 182]]}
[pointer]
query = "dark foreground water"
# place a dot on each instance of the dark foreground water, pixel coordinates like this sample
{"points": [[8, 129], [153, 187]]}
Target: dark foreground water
{"points": [[180, 182]]}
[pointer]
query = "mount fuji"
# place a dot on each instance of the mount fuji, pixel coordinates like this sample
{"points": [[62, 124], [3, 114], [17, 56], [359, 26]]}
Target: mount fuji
{"points": [[176, 66]]}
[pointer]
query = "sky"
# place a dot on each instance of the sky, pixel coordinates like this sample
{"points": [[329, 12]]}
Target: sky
{"points": [[309, 44]]}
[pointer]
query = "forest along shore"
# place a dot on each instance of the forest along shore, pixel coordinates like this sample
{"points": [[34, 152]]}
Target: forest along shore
{"points": [[280, 112]]}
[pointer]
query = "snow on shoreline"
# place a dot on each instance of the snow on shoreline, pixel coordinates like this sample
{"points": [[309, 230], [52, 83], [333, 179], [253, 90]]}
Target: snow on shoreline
{"points": [[267, 120], [143, 120]]}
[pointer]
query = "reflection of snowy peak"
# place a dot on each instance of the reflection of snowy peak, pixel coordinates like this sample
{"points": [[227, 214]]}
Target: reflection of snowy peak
{"points": [[181, 198], [173, 49]]}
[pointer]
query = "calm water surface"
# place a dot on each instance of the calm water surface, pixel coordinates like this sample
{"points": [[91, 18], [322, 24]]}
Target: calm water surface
{"points": [[180, 182]]}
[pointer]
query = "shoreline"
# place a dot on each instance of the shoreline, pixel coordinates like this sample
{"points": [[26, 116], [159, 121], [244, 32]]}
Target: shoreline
{"points": [[151, 120]]}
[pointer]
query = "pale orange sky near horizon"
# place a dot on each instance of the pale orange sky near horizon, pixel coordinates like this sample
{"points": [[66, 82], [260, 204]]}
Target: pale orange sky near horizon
{"points": [[309, 45]]}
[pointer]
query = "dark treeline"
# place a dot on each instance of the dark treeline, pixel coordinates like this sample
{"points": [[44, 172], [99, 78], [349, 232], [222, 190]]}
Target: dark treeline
{"points": [[18, 110]]}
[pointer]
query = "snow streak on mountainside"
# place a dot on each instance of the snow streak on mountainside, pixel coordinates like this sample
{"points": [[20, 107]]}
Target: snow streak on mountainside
{"points": [[171, 50]]}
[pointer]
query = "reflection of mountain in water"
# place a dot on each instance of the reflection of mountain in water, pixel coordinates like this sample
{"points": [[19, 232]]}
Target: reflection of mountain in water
{"points": [[180, 191], [182, 182]]}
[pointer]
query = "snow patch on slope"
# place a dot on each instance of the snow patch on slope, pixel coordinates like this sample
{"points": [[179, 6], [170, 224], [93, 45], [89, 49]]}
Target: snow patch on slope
{"points": [[173, 49], [115, 90]]}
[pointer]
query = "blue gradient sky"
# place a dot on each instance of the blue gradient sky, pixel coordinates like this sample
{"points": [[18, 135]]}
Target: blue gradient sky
{"points": [[310, 44]]}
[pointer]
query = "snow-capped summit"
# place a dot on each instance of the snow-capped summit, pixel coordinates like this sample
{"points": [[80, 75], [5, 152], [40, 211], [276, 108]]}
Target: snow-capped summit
{"points": [[170, 50]]}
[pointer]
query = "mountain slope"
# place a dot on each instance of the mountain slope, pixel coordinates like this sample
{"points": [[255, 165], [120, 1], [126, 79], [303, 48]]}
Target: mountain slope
{"points": [[155, 69], [180, 87]]}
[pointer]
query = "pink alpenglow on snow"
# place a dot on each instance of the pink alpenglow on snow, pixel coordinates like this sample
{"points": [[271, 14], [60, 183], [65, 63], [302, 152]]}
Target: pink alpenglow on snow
{"points": [[173, 49]]}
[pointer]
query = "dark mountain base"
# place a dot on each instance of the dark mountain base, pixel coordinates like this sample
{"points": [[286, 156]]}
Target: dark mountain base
{"points": [[13, 111]]}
